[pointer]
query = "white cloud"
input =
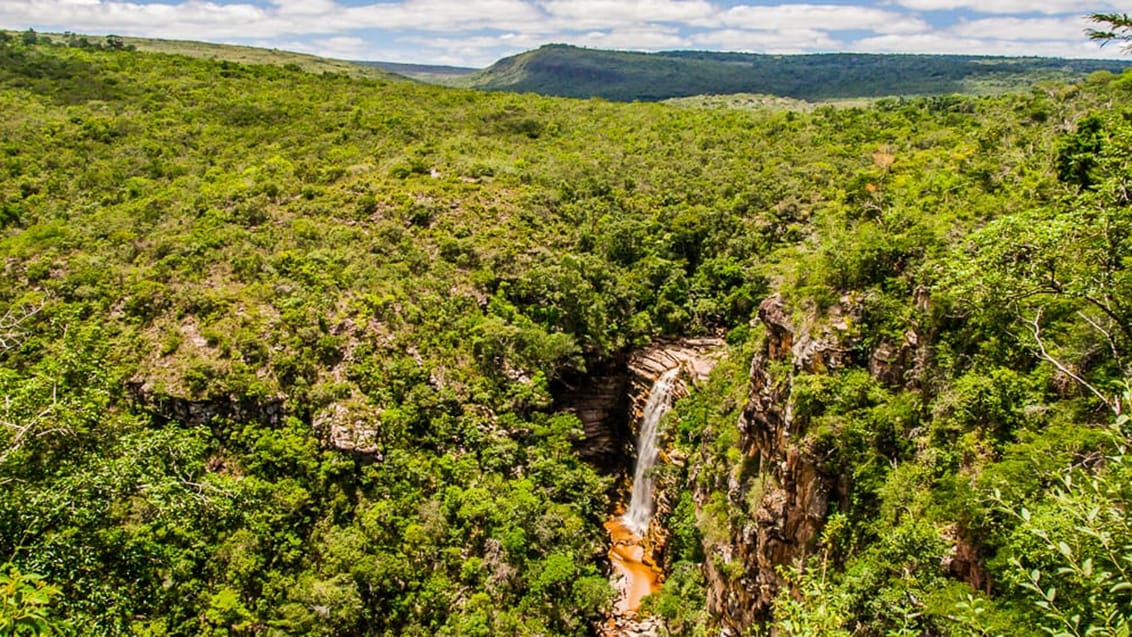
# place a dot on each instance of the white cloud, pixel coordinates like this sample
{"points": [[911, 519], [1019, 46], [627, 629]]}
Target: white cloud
{"points": [[825, 17], [1050, 29], [585, 14], [635, 39], [1049, 36], [1050, 7], [953, 44], [783, 41], [304, 7], [186, 20], [195, 19], [440, 15]]}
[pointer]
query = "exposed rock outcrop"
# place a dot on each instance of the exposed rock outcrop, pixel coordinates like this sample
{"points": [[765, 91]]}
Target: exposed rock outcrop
{"points": [[782, 490], [601, 402], [175, 407], [351, 426], [964, 562], [610, 399], [697, 356]]}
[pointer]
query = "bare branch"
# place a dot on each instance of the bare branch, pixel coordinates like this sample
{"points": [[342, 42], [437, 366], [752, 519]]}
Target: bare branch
{"points": [[1107, 335], [1105, 306], [11, 334], [28, 429], [1036, 326]]}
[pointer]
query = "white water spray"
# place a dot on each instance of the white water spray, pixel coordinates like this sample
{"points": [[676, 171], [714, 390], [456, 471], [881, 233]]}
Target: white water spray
{"points": [[640, 506]]}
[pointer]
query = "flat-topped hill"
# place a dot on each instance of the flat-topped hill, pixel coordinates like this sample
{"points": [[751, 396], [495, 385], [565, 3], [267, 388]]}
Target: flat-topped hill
{"points": [[571, 71]]}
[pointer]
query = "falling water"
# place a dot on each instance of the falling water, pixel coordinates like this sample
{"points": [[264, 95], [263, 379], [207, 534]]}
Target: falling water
{"points": [[640, 506]]}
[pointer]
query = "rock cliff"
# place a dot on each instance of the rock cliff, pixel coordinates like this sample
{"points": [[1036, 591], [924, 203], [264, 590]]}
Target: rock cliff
{"points": [[609, 400], [178, 406], [601, 402], [781, 493], [697, 355]]}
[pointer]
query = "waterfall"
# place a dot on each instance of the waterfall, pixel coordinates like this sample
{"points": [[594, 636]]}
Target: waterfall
{"points": [[640, 506]]}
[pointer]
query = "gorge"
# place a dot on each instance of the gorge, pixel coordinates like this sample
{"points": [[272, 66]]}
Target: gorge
{"points": [[660, 375]]}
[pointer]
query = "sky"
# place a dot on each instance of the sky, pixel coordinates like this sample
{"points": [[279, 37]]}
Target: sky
{"points": [[478, 32]]}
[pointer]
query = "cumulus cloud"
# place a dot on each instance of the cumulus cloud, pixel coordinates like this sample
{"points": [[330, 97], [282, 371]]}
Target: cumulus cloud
{"points": [[303, 7], [183, 20], [584, 14], [1010, 6], [636, 39], [193, 18], [440, 15], [764, 41], [825, 17], [1050, 29], [950, 43]]}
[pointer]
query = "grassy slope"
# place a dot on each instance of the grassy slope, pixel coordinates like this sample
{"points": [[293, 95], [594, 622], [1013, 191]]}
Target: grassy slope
{"points": [[751, 101], [231, 53], [254, 55]]}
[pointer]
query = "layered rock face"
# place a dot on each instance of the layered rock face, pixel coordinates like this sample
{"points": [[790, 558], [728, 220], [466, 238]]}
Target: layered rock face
{"points": [[176, 406], [601, 402], [782, 491], [609, 401], [696, 355]]}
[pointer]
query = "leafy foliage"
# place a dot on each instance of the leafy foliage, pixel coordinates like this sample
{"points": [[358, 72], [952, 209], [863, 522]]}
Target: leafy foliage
{"points": [[25, 601], [1114, 27]]}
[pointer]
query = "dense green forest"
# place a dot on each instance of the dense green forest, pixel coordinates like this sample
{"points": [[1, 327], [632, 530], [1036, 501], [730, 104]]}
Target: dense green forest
{"points": [[281, 352], [570, 71]]}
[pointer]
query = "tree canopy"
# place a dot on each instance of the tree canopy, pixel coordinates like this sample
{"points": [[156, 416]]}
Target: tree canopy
{"points": [[287, 351]]}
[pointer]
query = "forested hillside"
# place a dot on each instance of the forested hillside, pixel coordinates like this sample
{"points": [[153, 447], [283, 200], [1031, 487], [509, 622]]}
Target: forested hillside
{"points": [[284, 353], [438, 74], [570, 71]]}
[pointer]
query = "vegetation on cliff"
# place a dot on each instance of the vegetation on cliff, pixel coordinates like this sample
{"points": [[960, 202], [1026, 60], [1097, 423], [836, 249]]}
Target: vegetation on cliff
{"points": [[279, 351]]}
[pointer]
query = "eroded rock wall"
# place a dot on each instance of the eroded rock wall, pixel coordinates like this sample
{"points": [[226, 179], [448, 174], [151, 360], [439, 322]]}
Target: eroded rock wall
{"points": [[600, 400], [779, 497], [609, 401]]}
